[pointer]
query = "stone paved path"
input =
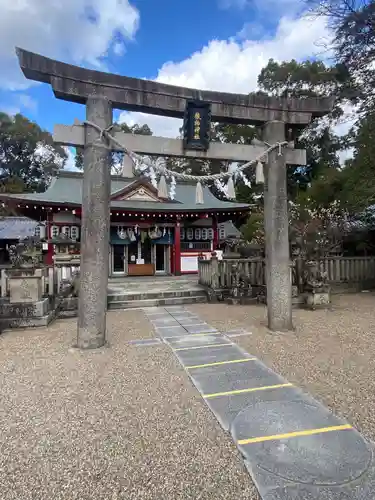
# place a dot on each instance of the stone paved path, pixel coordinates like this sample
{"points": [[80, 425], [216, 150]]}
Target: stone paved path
{"points": [[293, 447]]}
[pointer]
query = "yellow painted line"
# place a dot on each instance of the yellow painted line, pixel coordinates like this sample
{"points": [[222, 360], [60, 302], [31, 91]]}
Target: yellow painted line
{"points": [[309, 432], [217, 363], [203, 347], [243, 391]]}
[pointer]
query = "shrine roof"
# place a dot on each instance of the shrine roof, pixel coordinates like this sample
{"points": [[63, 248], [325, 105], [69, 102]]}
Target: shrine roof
{"points": [[66, 189]]}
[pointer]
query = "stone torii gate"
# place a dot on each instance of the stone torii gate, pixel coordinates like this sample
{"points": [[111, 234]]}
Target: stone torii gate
{"points": [[101, 92]]}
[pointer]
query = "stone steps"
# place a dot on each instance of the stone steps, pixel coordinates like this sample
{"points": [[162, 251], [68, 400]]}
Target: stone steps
{"points": [[153, 285], [123, 295], [154, 302]]}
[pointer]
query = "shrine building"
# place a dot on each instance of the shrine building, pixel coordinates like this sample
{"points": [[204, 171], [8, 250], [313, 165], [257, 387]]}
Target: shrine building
{"points": [[149, 235]]}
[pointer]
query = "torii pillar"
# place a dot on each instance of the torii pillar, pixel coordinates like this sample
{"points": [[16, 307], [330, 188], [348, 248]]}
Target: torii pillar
{"points": [[276, 225], [92, 304]]}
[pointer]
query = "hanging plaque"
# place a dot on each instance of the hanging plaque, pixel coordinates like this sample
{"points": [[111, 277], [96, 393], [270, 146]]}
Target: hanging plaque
{"points": [[197, 125]]}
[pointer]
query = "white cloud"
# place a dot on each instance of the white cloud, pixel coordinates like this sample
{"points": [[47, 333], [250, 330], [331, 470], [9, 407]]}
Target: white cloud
{"points": [[27, 102], [119, 49], [161, 126], [17, 103], [251, 29], [234, 66], [77, 31]]}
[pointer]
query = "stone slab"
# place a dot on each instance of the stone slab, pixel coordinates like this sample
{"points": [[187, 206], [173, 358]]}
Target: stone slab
{"points": [[164, 321], [153, 310], [11, 323], [157, 315], [224, 378], [226, 408], [330, 458], [24, 310], [158, 318], [182, 314], [211, 355], [189, 340], [200, 328], [192, 321], [171, 331], [25, 289], [361, 489], [176, 310]]}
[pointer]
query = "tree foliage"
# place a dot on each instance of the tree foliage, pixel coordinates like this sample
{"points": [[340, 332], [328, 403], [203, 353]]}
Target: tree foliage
{"points": [[310, 79], [358, 177], [352, 22], [28, 155], [253, 229]]}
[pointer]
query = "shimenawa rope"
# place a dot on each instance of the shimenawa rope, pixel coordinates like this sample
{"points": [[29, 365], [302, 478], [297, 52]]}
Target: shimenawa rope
{"points": [[199, 179]]}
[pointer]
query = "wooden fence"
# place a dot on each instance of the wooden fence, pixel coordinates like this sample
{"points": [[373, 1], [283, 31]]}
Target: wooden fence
{"points": [[216, 273], [50, 283]]}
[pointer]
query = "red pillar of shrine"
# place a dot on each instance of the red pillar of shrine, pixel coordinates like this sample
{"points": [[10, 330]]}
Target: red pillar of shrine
{"points": [[215, 241], [177, 249]]}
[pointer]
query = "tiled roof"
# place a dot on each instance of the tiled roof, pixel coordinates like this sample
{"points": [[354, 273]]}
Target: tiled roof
{"points": [[67, 189]]}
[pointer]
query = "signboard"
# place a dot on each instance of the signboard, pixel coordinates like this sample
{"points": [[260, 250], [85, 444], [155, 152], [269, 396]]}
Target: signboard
{"points": [[197, 125]]}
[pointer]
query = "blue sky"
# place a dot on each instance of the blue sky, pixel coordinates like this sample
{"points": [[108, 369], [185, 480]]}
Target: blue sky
{"points": [[211, 44]]}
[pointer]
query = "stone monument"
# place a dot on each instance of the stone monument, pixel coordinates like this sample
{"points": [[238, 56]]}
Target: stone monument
{"points": [[26, 304]]}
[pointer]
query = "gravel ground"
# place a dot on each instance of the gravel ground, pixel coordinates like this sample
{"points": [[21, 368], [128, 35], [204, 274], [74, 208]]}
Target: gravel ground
{"points": [[331, 354], [121, 422]]}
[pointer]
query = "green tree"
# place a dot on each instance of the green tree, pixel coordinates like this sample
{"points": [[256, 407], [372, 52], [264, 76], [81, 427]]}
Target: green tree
{"points": [[311, 79], [308, 79], [358, 192], [352, 23], [253, 229], [28, 155]]}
